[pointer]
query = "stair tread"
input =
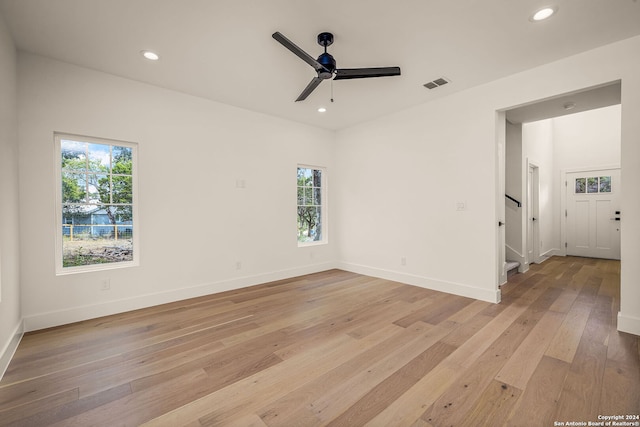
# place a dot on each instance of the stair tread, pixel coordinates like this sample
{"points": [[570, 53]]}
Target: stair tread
{"points": [[512, 265]]}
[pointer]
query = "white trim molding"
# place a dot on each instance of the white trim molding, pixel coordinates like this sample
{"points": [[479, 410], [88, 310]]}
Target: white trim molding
{"points": [[10, 348], [425, 282], [628, 324], [76, 314]]}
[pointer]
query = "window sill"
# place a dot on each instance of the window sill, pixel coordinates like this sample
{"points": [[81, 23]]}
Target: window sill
{"points": [[316, 243], [96, 267]]}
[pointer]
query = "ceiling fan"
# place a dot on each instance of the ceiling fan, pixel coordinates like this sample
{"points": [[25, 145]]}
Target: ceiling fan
{"points": [[325, 65]]}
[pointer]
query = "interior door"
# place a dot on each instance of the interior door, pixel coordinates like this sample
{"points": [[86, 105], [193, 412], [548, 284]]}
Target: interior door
{"points": [[533, 185], [593, 217]]}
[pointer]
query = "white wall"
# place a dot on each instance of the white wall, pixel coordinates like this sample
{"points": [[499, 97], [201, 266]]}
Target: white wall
{"points": [[588, 139], [10, 316], [194, 223], [629, 315], [399, 179]]}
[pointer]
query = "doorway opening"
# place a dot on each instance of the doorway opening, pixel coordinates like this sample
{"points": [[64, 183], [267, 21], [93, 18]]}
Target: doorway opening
{"points": [[544, 142]]}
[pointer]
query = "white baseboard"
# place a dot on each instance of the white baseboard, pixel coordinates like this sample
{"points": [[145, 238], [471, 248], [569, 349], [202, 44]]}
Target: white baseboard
{"points": [[77, 314], [628, 324], [553, 252], [424, 282], [10, 347]]}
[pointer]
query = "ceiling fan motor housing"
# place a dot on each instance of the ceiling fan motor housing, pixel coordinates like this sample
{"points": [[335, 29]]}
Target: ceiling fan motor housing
{"points": [[327, 61]]}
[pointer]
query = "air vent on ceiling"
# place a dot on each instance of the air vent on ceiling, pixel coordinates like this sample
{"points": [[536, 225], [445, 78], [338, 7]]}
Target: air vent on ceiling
{"points": [[436, 83]]}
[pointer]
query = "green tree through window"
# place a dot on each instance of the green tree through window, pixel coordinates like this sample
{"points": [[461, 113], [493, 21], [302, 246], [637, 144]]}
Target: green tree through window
{"points": [[97, 202], [310, 198]]}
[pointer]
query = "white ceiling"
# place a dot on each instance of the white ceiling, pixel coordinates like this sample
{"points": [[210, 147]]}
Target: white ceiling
{"points": [[223, 50]]}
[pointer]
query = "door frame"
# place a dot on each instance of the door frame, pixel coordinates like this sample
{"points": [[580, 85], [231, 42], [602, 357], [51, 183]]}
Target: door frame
{"points": [[532, 210], [563, 199], [499, 218]]}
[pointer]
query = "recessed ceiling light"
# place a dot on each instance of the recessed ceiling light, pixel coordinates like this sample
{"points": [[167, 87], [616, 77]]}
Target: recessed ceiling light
{"points": [[322, 110], [569, 105], [152, 56], [543, 13]]}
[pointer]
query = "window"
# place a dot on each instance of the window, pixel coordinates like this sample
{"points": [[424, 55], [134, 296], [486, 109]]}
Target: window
{"points": [[96, 214], [593, 185], [311, 210]]}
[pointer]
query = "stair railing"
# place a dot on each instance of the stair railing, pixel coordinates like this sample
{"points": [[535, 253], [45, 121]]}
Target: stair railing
{"points": [[513, 200]]}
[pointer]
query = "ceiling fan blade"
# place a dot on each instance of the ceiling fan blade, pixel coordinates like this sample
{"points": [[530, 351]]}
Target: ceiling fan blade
{"points": [[299, 52], [310, 87], [362, 73]]}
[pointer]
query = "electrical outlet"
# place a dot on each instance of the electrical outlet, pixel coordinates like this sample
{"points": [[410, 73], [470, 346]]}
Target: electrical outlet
{"points": [[238, 265], [105, 284], [403, 261]]}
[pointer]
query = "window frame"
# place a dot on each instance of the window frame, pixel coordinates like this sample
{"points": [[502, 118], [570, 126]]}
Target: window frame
{"points": [[59, 268], [324, 205]]}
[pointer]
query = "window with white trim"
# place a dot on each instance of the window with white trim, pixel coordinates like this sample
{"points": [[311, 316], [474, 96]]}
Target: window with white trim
{"points": [[311, 205], [95, 210]]}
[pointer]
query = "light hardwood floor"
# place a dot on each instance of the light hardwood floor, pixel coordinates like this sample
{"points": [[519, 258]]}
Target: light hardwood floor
{"points": [[341, 349]]}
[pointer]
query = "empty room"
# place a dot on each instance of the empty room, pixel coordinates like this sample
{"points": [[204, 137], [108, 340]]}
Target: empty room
{"points": [[285, 213]]}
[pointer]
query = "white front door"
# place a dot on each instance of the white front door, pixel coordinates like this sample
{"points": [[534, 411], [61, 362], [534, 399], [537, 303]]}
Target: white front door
{"points": [[593, 213]]}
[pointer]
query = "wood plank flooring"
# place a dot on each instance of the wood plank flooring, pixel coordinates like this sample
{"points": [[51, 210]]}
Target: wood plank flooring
{"points": [[341, 349]]}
